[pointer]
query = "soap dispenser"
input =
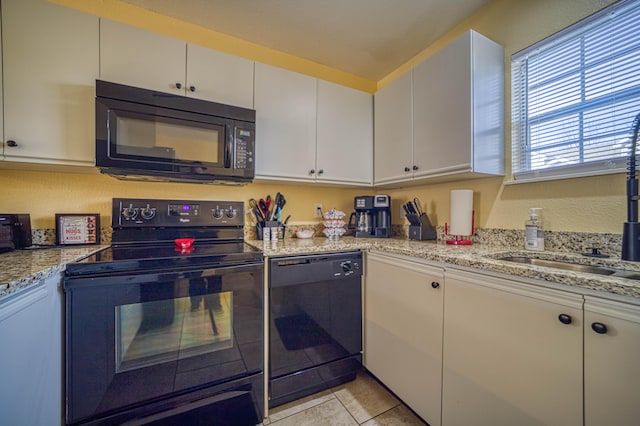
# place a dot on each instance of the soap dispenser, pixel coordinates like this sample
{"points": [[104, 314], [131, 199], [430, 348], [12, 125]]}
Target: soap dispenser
{"points": [[534, 233]]}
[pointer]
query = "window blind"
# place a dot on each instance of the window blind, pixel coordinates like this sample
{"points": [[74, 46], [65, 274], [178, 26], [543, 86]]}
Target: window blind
{"points": [[575, 95]]}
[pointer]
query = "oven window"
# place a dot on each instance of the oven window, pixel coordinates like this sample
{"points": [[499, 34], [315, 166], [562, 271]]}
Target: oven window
{"points": [[165, 138], [155, 332]]}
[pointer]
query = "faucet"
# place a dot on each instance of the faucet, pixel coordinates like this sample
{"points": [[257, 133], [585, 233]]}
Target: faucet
{"points": [[631, 228]]}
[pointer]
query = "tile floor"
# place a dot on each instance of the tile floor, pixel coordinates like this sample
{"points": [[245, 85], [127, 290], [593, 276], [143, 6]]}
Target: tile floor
{"points": [[360, 402]]}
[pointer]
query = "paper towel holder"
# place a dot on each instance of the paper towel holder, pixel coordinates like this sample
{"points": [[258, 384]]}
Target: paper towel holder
{"points": [[463, 240]]}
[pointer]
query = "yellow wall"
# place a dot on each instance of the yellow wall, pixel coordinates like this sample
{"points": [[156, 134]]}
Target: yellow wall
{"points": [[595, 204], [43, 194]]}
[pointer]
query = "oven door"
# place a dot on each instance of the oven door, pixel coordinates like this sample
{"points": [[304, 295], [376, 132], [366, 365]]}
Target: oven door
{"points": [[140, 338]]}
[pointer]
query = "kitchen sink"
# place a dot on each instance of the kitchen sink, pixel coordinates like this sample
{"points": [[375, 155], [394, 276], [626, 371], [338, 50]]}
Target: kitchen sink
{"points": [[575, 267]]}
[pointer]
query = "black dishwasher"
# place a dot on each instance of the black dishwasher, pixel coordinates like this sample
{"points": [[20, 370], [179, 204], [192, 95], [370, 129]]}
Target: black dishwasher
{"points": [[315, 323]]}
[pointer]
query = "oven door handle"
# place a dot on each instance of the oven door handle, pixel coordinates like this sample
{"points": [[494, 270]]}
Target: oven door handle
{"points": [[142, 276]]}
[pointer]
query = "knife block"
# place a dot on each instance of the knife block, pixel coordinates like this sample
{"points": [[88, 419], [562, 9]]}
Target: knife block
{"points": [[424, 231]]}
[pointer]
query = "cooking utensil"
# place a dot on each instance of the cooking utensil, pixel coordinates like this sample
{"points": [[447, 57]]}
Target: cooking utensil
{"points": [[418, 206], [256, 210]]}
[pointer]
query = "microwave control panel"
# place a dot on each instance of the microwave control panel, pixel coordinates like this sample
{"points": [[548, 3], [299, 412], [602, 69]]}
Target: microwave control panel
{"points": [[244, 148]]}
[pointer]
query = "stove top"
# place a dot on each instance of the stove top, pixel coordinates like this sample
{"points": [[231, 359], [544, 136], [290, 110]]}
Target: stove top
{"points": [[144, 231], [164, 256]]}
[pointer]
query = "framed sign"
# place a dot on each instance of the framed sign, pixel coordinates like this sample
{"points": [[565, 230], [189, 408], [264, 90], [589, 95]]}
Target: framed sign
{"points": [[77, 228]]}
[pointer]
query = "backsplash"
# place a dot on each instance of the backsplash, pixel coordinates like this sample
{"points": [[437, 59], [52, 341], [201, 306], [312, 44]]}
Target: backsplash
{"points": [[560, 241]]}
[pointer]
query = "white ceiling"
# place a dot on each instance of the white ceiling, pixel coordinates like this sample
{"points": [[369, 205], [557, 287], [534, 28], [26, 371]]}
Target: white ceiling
{"points": [[367, 38]]}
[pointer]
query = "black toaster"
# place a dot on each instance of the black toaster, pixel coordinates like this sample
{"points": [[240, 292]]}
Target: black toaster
{"points": [[15, 231]]}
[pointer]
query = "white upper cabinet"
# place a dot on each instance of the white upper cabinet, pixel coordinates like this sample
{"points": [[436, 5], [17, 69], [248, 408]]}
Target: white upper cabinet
{"points": [[455, 120], [393, 131], [50, 64], [308, 130], [285, 104], [219, 77], [141, 58], [458, 107], [344, 135]]}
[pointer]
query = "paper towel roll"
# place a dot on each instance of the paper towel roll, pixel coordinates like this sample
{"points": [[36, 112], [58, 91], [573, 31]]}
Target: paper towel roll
{"points": [[461, 212]]}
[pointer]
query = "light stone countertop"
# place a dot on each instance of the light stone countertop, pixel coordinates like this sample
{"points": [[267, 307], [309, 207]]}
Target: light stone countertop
{"points": [[22, 268], [480, 257]]}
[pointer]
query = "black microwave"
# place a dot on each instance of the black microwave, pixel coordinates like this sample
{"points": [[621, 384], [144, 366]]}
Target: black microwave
{"points": [[148, 135]]}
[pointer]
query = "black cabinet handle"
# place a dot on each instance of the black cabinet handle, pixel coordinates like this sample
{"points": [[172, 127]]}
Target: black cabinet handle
{"points": [[178, 85], [192, 88], [312, 171], [415, 167], [564, 318], [599, 328], [320, 171], [12, 143], [406, 169], [435, 284]]}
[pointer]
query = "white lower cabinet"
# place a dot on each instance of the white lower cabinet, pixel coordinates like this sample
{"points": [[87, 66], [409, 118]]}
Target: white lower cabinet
{"points": [[31, 356], [611, 363], [403, 330], [512, 353]]}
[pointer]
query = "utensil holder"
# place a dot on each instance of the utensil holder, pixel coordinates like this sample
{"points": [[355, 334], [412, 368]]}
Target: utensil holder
{"points": [[261, 228], [424, 231]]}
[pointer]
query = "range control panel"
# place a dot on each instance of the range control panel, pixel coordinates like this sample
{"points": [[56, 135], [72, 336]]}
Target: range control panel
{"points": [[129, 212]]}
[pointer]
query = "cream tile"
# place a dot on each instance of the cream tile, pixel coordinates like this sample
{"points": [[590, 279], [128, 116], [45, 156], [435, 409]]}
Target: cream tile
{"points": [[397, 416], [330, 412], [365, 398], [299, 405]]}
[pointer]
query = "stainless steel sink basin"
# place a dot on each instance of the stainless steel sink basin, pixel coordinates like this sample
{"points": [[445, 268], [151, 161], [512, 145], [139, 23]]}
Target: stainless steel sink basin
{"points": [[568, 266]]}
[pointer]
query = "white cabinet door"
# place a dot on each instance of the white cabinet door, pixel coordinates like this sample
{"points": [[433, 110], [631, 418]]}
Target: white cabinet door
{"points": [[31, 356], [344, 135], [508, 359], [141, 58], [218, 77], [458, 109], [442, 109], [393, 159], [50, 63], [403, 330], [285, 104], [611, 363]]}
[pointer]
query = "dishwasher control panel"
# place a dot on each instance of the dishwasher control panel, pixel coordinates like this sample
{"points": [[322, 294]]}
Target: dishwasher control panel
{"points": [[313, 268]]}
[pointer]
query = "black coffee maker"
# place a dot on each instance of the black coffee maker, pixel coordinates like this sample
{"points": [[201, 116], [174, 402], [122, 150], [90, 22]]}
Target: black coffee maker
{"points": [[372, 216]]}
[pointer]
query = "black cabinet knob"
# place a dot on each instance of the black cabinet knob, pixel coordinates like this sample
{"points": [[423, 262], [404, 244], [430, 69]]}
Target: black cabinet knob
{"points": [[406, 169], [415, 167], [312, 172], [320, 171], [12, 144], [599, 328], [178, 85], [435, 284], [564, 318], [192, 88]]}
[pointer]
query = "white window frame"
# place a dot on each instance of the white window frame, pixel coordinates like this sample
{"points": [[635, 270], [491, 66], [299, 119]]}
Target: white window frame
{"points": [[523, 168]]}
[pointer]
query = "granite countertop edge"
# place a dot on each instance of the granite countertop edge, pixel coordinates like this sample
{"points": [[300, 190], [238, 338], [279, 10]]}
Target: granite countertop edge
{"points": [[480, 257], [20, 269]]}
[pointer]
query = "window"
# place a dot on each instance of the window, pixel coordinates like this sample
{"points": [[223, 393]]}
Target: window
{"points": [[575, 96]]}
